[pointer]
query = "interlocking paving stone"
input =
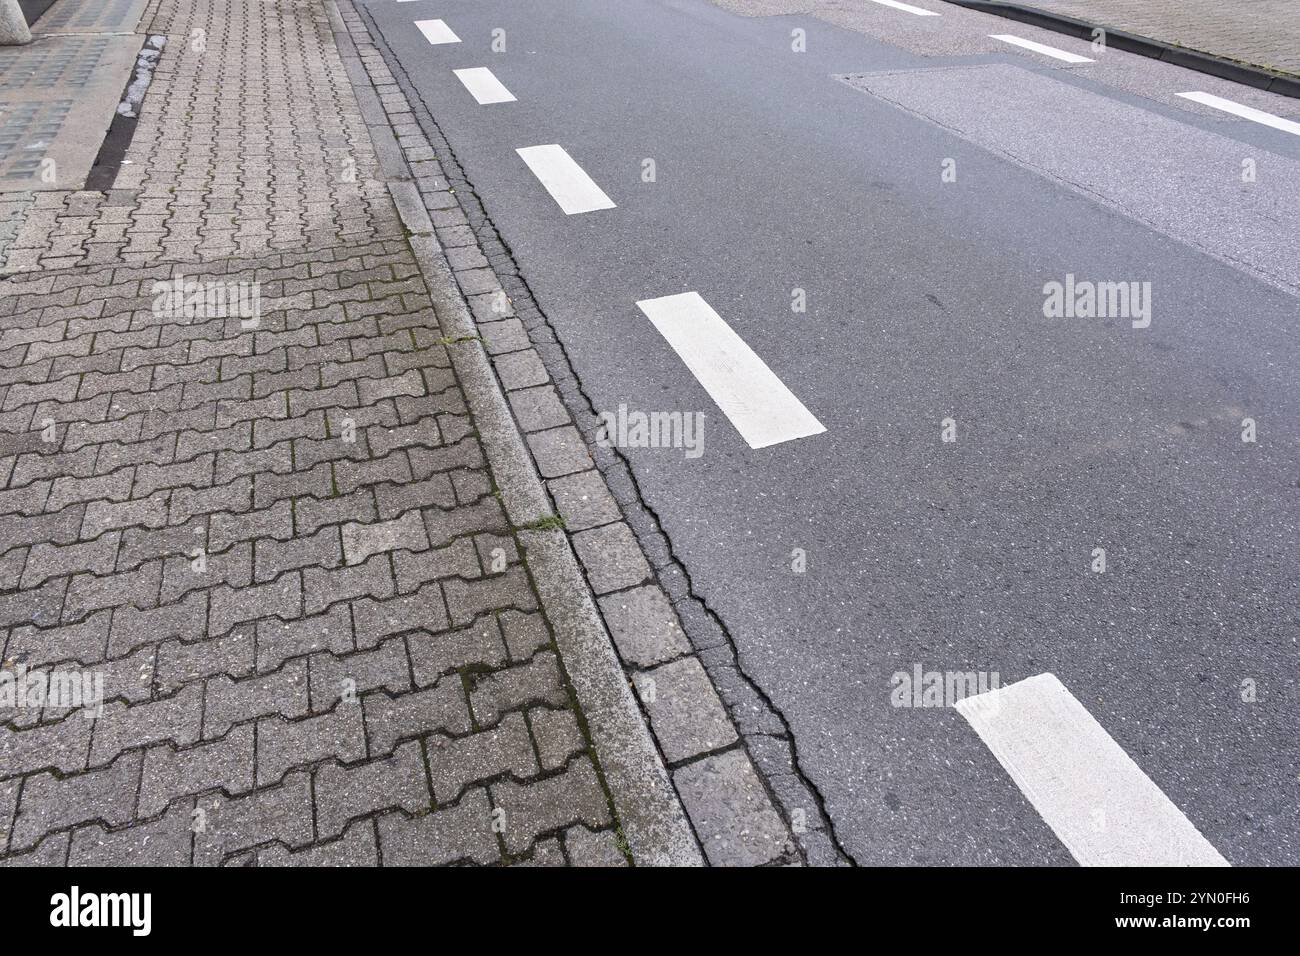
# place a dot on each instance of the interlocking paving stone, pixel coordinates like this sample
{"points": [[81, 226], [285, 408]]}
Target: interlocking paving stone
{"points": [[276, 539], [1263, 32]]}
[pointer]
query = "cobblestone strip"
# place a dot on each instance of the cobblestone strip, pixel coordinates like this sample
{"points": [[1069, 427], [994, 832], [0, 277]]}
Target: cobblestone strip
{"points": [[712, 725], [240, 486], [1262, 33]]}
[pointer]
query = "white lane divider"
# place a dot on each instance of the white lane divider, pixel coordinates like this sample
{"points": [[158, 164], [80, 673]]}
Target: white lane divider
{"points": [[564, 179], [437, 31], [759, 405], [1246, 112], [1100, 804], [484, 86], [906, 6], [1042, 48]]}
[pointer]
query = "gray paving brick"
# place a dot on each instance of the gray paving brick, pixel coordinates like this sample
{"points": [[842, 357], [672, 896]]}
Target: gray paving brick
{"points": [[644, 626], [282, 813], [50, 802], [466, 600], [185, 620], [320, 550], [525, 634], [277, 640], [611, 557], [62, 745], [361, 541], [559, 451], [544, 806], [686, 714], [228, 702], [344, 793], [85, 641], [357, 847], [166, 841], [226, 764], [584, 501], [333, 677], [372, 578], [283, 744], [417, 569], [177, 719], [536, 682], [452, 834], [557, 735], [279, 598], [441, 709], [586, 848], [446, 525], [731, 811]]}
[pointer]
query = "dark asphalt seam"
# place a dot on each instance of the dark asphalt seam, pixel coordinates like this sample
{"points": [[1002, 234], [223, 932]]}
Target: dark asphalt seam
{"points": [[581, 407]]}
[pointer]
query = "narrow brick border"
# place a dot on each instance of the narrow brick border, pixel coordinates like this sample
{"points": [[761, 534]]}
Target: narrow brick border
{"points": [[1246, 74], [651, 816], [731, 753]]}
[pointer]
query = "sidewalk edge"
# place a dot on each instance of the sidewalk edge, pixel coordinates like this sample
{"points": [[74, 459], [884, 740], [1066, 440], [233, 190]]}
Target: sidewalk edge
{"points": [[1256, 77], [650, 813]]}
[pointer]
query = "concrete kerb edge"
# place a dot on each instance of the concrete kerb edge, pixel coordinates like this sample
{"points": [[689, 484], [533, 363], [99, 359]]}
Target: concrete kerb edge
{"points": [[1225, 69], [652, 818]]}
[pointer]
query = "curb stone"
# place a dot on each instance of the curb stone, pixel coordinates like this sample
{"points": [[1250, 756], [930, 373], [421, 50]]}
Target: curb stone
{"points": [[653, 821], [735, 828], [1208, 63]]}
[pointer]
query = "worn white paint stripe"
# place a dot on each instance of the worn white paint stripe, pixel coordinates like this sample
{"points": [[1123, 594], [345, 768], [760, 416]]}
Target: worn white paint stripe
{"points": [[564, 179], [1246, 112], [763, 410], [436, 31], [1042, 48], [484, 86], [1105, 810], [906, 6]]}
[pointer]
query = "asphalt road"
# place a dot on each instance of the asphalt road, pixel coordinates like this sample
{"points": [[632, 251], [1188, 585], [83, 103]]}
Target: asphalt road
{"points": [[925, 302]]}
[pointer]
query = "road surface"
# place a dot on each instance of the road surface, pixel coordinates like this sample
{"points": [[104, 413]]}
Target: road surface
{"points": [[918, 183]]}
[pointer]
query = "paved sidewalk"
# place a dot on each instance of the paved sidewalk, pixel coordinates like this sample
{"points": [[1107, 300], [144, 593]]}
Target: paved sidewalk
{"points": [[239, 482], [1262, 33]]}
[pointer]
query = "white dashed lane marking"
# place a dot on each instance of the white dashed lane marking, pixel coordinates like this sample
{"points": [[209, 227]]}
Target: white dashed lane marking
{"points": [[1099, 803], [564, 179], [484, 86], [906, 6], [758, 404], [1245, 112], [1042, 48], [436, 31]]}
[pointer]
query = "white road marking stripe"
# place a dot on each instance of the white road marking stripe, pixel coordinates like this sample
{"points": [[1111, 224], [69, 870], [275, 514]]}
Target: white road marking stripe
{"points": [[436, 31], [1105, 810], [564, 179], [906, 6], [1246, 112], [1042, 48], [484, 86], [763, 410]]}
